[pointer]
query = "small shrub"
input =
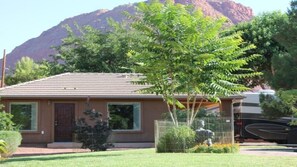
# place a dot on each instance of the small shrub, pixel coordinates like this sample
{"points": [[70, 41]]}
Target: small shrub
{"points": [[215, 148], [176, 139], [93, 137], [12, 139], [6, 122]]}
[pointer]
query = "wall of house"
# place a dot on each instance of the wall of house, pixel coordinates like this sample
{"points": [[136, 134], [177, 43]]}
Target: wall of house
{"points": [[44, 124], [151, 110]]}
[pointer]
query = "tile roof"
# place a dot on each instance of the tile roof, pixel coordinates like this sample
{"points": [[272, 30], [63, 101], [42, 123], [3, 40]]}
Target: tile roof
{"points": [[82, 85], [78, 85]]}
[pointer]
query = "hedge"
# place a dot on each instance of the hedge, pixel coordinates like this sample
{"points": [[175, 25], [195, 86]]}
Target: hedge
{"points": [[13, 140], [176, 139]]}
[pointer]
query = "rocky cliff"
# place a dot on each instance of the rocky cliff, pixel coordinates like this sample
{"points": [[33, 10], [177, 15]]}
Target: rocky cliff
{"points": [[41, 47]]}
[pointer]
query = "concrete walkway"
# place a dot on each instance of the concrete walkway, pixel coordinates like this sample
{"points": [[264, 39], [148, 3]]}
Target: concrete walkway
{"points": [[40, 150]]}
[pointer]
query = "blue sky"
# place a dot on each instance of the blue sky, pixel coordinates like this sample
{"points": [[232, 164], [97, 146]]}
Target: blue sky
{"points": [[25, 19]]}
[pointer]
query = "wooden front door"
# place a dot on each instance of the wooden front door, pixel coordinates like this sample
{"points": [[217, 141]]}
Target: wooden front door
{"points": [[64, 121]]}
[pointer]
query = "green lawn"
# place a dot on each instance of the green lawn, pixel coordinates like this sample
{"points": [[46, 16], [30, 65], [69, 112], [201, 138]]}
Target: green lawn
{"points": [[147, 157]]}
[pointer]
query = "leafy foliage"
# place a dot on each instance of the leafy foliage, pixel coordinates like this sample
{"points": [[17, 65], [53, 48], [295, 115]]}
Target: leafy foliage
{"points": [[285, 65], [182, 115], [26, 70], [176, 139], [94, 132], [92, 51], [285, 70], [287, 37], [180, 51], [216, 148], [283, 104], [6, 123], [12, 139], [261, 31]]}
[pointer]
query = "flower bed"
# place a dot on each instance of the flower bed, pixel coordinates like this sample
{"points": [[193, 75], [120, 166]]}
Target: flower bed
{"points": [[215, 148]]}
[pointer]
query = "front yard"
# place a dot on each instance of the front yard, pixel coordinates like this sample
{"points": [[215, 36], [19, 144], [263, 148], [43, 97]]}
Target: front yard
{"points": [[148, 158]]}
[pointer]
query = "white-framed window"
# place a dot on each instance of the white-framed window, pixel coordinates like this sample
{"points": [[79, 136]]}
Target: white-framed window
{"points": [[124, 116], [25, 114]]}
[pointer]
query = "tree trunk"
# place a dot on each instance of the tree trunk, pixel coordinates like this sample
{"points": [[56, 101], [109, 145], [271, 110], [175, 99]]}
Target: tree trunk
{"points": [[188, 109], [195, 112], [192, 110], [171, 114], [174, 111]]}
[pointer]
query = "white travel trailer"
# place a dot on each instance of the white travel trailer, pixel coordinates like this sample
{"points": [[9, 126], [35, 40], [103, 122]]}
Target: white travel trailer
{"points": [[251, 104]]}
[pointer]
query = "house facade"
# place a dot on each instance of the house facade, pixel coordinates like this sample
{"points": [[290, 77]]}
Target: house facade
{"points": [[48, 108]]}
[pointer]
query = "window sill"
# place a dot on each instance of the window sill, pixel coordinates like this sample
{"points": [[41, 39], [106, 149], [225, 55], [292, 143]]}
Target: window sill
{"points": [[29, 132]]}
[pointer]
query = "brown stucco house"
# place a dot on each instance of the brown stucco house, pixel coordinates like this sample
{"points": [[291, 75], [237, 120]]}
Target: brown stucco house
{"points": [[47, 108]]}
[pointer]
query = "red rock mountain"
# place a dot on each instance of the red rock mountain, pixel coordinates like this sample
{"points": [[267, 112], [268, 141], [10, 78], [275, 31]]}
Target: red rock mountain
{"points": [[40, 47]]}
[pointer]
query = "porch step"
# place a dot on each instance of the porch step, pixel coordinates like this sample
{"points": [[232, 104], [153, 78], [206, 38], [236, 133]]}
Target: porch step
{"points": [[64, 145]]}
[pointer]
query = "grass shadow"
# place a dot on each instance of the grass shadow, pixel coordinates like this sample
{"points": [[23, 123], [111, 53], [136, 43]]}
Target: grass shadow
{"points": [[55, 157]]}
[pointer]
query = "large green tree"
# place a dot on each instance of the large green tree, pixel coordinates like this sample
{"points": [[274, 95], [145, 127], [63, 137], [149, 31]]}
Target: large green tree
{"points": [[181, 51], [284, 79], [92, 51], [283, 104], [26, 70], [261, 31], [285, 65]]}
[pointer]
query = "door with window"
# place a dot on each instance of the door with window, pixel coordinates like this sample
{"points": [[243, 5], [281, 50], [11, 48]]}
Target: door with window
{"points": [[64, 121]]}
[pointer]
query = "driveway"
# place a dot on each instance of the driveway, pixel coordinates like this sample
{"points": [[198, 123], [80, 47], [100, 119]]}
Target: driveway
{"points": [[267, 149]]}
